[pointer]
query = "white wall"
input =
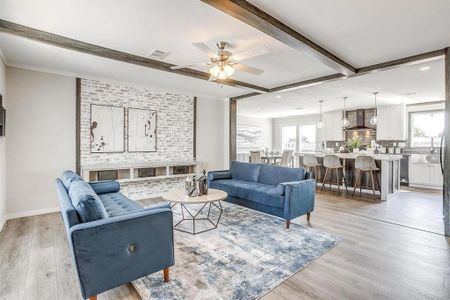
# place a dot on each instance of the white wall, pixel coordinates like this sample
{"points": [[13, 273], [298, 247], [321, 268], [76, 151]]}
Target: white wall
{"points": [[278, 123], [212, 147], [266, 129], [41, 137], [3, 148]]}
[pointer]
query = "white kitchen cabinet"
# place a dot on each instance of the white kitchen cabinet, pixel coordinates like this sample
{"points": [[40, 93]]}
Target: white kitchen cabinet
{"points": [[424, 174], [332, 130], [391, 122], [436, 175]]}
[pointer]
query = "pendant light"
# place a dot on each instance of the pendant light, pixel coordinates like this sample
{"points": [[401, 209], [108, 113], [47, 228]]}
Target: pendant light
{"points": [[320, 124], [345, 121], [374, 119]]}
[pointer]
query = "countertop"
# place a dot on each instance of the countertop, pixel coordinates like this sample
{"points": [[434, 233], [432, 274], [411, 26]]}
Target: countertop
{"points": [[389, 157]]}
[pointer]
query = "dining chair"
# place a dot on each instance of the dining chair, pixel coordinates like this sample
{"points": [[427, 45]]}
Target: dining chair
{"points": [[286, 157], [255, 157]]}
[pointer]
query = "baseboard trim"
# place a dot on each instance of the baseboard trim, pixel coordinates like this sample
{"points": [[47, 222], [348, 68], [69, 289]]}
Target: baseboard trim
{"points": [[2, 223], [32, 213]]}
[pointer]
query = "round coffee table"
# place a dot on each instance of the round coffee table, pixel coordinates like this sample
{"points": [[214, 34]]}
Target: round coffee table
{"points": [[212, 200]]}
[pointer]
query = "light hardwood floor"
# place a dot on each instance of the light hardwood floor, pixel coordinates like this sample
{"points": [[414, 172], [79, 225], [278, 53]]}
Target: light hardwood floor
{"points": [[389, 251]]}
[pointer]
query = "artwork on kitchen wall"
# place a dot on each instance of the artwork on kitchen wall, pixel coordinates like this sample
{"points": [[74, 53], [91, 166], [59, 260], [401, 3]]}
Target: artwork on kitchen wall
{"points": [[107, 131], [249, 136], [141, 130]]}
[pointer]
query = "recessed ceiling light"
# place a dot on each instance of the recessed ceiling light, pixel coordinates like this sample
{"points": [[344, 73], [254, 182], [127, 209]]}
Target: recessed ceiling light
{"points": [[425, 68], [278, 96]]}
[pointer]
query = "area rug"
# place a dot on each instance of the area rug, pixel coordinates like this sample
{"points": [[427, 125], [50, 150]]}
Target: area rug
{"points": [[249, 254]]}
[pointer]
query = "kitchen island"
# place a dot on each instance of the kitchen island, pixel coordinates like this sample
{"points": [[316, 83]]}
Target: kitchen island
{"points": [[388, 175]]}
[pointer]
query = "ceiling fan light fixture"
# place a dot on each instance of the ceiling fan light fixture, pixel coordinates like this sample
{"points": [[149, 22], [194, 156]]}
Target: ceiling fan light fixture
{"points": [[214, 71], [228, 69]]}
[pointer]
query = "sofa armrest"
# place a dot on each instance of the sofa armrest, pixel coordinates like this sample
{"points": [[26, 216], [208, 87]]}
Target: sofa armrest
{"points": [[105, 187], [299, 198], [216, 175], [117, 250]]}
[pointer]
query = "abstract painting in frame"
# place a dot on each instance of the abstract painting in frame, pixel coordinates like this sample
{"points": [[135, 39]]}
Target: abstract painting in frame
{"points": [[141, 130], [249, 136], [107, 131]]}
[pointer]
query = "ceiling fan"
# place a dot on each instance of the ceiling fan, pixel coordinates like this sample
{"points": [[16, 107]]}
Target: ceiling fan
{"points": [[223, 63]]}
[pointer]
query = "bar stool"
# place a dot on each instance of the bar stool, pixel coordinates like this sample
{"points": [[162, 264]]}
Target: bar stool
{"points": [[331, 162], [364, 163], [310, 161]]}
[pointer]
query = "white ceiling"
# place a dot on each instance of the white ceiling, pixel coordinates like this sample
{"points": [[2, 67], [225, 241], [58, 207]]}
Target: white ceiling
{"points": [[392, 85], [366, 32], [166, 25], [362, 32]]}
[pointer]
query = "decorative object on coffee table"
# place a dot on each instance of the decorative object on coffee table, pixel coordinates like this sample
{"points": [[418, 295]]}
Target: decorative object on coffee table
{"points": [[207, 203], [203, 184]]}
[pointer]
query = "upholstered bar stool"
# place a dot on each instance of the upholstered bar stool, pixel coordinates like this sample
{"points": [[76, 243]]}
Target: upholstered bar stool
{"points": [[255, 157], [364, 163], [331, 162], [310, 162]]}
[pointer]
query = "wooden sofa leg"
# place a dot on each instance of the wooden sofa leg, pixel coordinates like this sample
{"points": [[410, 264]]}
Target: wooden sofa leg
{"points": [[166, 274], [288, 222], [308, 216], [93, 298]]}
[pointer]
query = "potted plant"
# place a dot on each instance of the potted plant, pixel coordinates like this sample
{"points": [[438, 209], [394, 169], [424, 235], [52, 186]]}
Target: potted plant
{"points": [[354, 143]]}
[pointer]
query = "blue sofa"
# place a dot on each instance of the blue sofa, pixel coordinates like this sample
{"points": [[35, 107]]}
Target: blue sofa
{"points": [[283, 192], [113, 239]]}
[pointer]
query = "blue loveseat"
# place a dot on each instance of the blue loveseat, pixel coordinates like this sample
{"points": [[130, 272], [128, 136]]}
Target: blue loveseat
{"points": [[283, 192], [113, 239]]}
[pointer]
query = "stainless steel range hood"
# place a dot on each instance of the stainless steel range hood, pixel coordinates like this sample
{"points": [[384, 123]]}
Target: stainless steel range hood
{"points": [[360, 123]]}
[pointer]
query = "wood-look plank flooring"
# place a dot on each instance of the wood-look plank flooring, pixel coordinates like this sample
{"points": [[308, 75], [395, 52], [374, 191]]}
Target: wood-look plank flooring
{"points": [[390, 250]]}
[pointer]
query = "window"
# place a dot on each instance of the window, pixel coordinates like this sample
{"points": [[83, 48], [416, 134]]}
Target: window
{"points": [[288, 137], [425, 126], [307, 137]]}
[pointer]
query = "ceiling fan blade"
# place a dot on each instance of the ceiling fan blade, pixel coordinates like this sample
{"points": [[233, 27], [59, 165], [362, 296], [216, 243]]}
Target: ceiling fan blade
{"points": [[204, 48], [189, 66], [249, 53], [248, 69]]}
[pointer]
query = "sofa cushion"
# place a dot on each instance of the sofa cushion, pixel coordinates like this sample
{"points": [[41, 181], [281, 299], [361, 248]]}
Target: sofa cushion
{"points": [[86, 202], [68, 177], [274, 175], [251, 191], [105, 187], [244, 171], [117, 203]]}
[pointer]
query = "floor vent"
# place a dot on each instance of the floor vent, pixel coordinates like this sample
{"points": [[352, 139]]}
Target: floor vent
{"points": [[158, 54]]}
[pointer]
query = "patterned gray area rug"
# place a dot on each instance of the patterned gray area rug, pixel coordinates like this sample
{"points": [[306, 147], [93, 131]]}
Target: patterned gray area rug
{"points": [[249, 254]]}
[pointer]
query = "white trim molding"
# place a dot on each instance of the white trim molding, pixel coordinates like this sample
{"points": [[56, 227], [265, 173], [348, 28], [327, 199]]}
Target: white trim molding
{"points": [[2, 223], [32, 213]]}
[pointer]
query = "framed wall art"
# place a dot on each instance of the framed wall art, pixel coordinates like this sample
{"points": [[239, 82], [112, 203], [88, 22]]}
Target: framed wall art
{"points": [[141, 130], [107, 131]]}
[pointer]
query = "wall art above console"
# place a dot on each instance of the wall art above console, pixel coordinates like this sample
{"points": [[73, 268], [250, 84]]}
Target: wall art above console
{"points": [[154, 128], [141, 130], [107, 129]]}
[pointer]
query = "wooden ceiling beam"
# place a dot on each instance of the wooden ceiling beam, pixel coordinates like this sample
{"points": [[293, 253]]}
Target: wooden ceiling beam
{"points": [[91, 49], [405, 61], [257, 18]]}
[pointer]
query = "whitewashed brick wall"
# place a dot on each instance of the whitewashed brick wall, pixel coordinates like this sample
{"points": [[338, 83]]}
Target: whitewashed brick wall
{"points": [[174, 130]]}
